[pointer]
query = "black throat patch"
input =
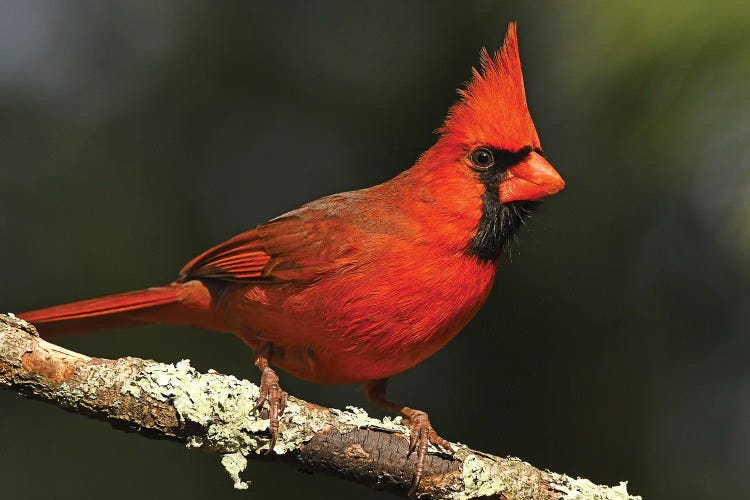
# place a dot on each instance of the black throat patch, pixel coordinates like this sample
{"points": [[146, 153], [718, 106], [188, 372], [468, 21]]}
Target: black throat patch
{"points": [[500, 221]]}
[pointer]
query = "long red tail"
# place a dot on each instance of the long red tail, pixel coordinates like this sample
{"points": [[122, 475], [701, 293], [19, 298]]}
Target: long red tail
{"points": [[180, 303]]}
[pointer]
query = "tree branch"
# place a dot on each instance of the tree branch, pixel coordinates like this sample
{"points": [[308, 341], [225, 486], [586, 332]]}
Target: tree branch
{"points": [[214, 412]]}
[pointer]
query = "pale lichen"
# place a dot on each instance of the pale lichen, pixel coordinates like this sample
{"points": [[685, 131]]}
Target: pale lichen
{"points": [[487, 477], [357, 417], [583, 489], [68, 395], [477, 479], [90, 386], [223, 406], [235, 463]]}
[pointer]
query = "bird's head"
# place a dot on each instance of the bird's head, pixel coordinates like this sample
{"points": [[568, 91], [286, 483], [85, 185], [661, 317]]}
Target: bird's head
{"points": [[488, 163]]}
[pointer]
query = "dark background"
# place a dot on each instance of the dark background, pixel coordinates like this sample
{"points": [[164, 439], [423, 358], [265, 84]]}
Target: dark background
{"points": [[614, 346]]}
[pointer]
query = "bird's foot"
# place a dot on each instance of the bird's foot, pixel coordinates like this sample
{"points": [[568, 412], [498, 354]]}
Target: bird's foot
{"points": [[271, 391], [421, 434]]}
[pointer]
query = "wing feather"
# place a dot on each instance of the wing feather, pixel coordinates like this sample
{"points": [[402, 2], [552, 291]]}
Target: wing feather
{"points": [[239, 258], [298, 247]]}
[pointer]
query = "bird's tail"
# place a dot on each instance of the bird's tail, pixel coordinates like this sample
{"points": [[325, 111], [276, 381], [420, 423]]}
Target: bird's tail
{"points": [[187, 303]]}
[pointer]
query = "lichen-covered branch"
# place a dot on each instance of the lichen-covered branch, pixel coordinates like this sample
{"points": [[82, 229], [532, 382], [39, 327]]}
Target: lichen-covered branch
{"points": [[214, 412]]}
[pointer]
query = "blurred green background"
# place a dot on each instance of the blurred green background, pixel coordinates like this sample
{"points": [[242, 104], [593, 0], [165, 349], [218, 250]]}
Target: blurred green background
{"points": [[614, 346]]}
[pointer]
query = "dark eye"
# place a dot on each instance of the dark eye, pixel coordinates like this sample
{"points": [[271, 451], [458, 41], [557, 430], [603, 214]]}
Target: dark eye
{"points": [[482, 158]]}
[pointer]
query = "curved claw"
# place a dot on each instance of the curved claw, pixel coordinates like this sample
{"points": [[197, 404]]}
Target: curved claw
{"points": [[421, 434], [271, 391]]}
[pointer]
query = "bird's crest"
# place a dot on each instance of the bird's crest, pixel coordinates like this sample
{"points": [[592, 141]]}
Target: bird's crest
{"points": [[492, 109]]}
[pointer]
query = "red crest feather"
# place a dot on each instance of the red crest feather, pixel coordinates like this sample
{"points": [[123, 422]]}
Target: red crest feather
{"points": [[492, 110]]}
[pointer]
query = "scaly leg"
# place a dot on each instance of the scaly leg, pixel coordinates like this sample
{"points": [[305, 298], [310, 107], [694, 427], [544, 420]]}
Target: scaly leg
{"points": [[271, 392], [421, 433]]}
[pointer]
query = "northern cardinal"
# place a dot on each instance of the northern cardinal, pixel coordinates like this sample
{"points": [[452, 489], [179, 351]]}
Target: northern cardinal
{"points": [[359, 286]]}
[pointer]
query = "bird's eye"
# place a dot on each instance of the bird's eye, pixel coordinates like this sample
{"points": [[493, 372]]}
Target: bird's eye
{"points": [[482, 159]]}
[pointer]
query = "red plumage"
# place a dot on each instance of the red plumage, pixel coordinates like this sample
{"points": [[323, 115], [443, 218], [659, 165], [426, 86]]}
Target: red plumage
{"points": [[359, 286]]}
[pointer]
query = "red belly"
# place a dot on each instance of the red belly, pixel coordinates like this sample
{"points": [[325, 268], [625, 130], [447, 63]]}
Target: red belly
{"points": [[365, 324]]}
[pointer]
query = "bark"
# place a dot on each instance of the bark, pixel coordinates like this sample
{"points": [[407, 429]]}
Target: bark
{"points": [[214, 412]]}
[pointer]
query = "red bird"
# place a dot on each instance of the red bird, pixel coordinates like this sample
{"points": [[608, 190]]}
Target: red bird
{"points": [[359, 286]]}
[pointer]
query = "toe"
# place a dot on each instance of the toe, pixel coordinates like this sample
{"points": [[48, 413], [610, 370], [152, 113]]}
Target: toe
{"points": [[420, 436], [277, 400]]}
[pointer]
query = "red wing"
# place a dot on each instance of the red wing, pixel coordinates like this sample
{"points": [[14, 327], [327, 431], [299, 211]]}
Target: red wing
{"points": [[300, 246], [239, 258]]}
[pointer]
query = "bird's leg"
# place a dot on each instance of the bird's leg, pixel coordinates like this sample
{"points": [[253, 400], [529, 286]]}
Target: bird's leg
{"points": [[421, 433], [271, 392]]}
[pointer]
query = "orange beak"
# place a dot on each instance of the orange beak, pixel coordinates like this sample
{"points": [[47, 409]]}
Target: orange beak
{"points": [[532, 179]]}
